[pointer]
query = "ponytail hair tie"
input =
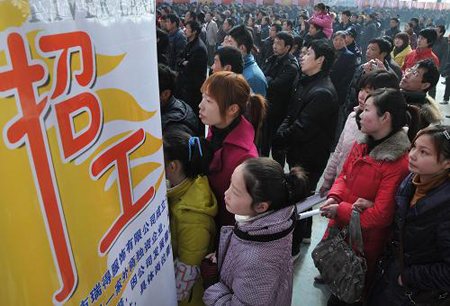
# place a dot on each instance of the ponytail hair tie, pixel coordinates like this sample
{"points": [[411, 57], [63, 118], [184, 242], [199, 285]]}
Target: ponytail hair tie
{"points": [[192, 143], [446, 134]]}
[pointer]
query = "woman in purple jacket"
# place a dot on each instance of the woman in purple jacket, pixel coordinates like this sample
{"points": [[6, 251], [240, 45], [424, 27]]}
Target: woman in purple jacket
{"points": [[254, 265], [227, 107]]}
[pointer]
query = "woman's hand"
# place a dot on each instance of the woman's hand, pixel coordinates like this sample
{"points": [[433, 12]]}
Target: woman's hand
{"points": [[212, 257], [361, 205], [329, 209]]}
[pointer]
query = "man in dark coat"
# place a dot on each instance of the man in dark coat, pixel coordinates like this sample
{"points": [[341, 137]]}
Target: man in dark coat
{"points": [[175, 114], [440, 47], [345, 21], [369, 32], [267, 44], [192, 67], [177, 41], [307, 133], [280, 71], [350, 39], [394, 30]]}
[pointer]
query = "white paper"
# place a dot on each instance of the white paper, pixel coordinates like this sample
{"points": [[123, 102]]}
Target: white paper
{"points": [[309, 214]]}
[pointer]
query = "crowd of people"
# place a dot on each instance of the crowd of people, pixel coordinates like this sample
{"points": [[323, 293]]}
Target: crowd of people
{"points": [[346, 95]]}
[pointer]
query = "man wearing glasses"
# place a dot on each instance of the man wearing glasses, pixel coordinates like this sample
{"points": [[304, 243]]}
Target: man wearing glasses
{"points": [[415, 84]]}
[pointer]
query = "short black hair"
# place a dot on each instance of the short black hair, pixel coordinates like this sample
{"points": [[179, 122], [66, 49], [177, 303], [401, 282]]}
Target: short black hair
{"points": [[441, 28], [431, 74], [277, 27], [298, 40], [430, 35], [267, 19], [231, 56], [193, 14], [287, 38], [195, 26], [174, 19], [395, 19], [230, 21], [242, 36], [289, 23], [378, 79], [383, 45], [167, 78], [347, 13], [318, 27], [323, 48]]}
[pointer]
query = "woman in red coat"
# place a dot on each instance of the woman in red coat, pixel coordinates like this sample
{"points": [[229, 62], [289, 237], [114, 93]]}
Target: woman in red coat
{"points": [[372, 173], [227, 103]]}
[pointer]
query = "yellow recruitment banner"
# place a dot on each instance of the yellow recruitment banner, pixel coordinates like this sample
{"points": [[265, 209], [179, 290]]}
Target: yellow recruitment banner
{"points": [[83, 218]]}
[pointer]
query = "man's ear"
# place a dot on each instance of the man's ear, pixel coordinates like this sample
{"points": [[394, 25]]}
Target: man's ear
{"points": [[165, 95], [261, 207], [425, 86]]}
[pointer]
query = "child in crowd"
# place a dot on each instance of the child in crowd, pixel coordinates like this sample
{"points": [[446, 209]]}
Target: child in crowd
{"points": [[233, 114], [192, 207], [254, 264], [372, 172], [416, 268], [367, 84], [322, 18]]}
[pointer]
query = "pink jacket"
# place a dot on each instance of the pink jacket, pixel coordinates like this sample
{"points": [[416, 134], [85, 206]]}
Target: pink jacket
{"points": [[236, 148], [325, 22], [343, 148]]}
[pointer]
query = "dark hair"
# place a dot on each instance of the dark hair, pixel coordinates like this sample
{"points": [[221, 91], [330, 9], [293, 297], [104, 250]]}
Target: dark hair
{"points": [[287, 38], [266, 181], [431, 74], [229, 88], [193, 15], [392, 101], [289, 23], [167, 78], [383, 45], [404, 37], [201, 17], [318, 27], [322, 7], [230, 22], [322, 48], [430, 35], [340, 33], [243, 37], [390, 40], [178, 145], [174, 19], [231, 56], [415, 20], [347, 13], [195, 27], [440, 134], [162, 41], [441, 28], [304, 17], [298, 40], [278, 27], [378, 79], [395, 19]]}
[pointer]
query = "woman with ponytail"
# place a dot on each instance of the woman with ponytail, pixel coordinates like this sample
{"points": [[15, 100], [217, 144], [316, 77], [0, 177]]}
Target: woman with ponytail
{"points": [[375, 167], [254, 264], [233, 114]]}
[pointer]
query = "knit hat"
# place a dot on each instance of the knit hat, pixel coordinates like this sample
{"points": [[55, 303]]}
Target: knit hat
{"points": [[430, 35]]}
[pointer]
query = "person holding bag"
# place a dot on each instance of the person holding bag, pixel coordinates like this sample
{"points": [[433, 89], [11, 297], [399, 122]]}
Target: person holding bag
{"points": [[374, 169], [416, 268]]}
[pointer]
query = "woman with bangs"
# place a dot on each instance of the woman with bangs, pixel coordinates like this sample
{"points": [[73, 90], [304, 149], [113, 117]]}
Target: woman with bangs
{"points": [[233, 115]]}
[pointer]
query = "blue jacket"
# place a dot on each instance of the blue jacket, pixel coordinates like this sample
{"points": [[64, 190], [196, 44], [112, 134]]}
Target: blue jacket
{"points": [[254, 76]]}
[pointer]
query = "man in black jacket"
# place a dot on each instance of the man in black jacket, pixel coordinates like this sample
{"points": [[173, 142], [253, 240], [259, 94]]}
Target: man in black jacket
{"points": [[369, 32], [267, 44], [394, 30], [192, 67], [307, 133], [175, 114], [280, 71]]}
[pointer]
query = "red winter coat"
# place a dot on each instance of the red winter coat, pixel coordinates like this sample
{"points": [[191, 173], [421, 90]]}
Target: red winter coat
{"points": [[374, 177], [416, 56], [236, 148]]}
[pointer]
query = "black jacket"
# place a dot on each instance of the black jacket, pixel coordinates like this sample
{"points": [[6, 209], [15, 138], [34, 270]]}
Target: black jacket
{"points": [[368, 33], [175, 114], [440, 48], [194, 73], [280, 74], [355, 50], [307, 133], [392, 32], [266, 50], [342, 72]]}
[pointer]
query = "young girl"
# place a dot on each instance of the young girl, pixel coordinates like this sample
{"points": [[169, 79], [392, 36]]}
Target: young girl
{"points": [[419, 261], [226, 105], [254, 257], [368, 83], [322, 18], [374, 169], [192, 208]]}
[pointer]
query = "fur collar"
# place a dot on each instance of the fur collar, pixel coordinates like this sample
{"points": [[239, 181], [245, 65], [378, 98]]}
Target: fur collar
{"points": [[389, 150], [430, 111]]}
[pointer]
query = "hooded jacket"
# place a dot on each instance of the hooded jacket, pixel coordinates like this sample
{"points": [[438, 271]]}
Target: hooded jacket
{"points": [[417, 55], [175, 114], [429, 110], [255, 262], [374, 177], [193, 207]]}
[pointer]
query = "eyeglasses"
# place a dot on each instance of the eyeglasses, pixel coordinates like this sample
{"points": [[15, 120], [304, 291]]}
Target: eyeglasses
{"points": [[413, 71]]}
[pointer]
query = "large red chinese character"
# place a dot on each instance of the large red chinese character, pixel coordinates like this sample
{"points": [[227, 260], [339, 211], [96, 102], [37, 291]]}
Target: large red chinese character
{"points": [[118, 155], [63, 44], [74, 143], [28, 128]]}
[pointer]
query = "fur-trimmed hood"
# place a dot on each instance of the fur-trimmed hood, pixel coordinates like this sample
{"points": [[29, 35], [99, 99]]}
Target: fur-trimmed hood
{"points": [[430, 111], [389, 150]]}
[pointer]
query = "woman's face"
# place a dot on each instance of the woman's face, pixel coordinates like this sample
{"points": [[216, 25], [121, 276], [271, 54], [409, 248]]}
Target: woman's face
{"points": [[362, 95], [237, 200], [209, 111], [423, 158], [371, 123], [338, 42], [312, 30], [407, 27], [398, 42]]}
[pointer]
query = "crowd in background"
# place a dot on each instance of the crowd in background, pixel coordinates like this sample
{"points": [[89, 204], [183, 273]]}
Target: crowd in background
{"points": [[285, 87]]}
